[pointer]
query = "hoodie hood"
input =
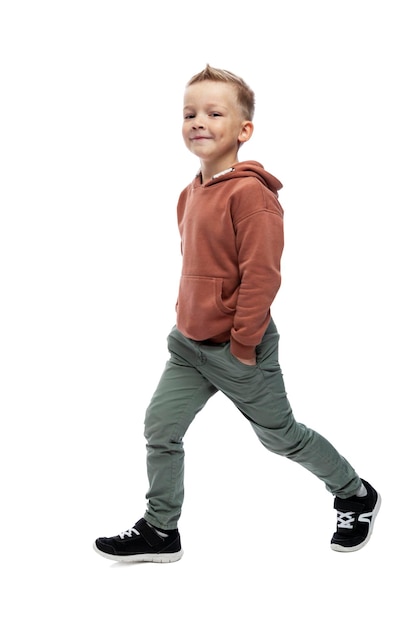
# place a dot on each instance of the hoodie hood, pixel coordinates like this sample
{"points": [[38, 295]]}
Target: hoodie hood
{"points": [[245, 169]]}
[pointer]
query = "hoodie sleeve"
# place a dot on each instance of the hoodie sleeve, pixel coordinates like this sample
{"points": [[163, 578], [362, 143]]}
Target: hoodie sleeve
{"points": [[259, 242]]}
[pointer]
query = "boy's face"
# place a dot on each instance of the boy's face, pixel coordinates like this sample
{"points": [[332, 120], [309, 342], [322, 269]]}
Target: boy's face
{"points": [[214, 126]]}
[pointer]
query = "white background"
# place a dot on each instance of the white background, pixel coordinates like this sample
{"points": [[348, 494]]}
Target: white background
{"points": [[92, 162]]}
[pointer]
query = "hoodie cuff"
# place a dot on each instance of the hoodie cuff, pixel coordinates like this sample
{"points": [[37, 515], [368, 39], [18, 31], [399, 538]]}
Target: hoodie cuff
{"points": [[241, 351]]}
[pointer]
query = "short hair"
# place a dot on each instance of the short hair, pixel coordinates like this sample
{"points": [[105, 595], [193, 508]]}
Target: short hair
{"points": [[245, 95]]}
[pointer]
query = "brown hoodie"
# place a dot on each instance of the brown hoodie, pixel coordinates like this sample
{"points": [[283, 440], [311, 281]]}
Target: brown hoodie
{"points": [[231, 240]]}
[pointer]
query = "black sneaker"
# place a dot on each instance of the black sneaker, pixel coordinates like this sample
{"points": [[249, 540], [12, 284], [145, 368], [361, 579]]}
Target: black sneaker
{"points": [[355, 520], [142, 543]]}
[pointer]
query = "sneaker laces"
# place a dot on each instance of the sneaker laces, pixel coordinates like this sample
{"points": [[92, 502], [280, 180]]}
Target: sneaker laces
{"points": [[345, 519], [128, 533]]}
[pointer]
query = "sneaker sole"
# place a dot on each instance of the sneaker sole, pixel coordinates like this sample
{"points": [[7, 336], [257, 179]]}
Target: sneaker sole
{"points": [[338, 548], [169, 557]]}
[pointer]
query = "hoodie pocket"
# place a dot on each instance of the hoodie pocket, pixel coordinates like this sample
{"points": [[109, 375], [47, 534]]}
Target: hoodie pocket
{"points": [[201, 312]]}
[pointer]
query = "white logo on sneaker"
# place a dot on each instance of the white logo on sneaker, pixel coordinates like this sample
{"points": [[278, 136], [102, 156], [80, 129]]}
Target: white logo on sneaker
{"points": [[365, 517]]}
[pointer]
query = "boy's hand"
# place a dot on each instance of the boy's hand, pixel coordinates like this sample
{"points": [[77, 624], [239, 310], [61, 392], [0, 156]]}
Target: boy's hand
{"points": [[247, 361]]}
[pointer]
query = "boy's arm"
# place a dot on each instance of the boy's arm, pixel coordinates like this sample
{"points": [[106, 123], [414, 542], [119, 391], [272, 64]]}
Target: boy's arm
{"points": [[260, 242]]}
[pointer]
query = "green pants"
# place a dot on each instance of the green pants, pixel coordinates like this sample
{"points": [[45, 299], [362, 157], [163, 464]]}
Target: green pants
{"points": [[194, 373]]}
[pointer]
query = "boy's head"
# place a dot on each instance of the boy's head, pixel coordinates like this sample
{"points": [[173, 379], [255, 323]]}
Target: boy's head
{"points": [[245, 95], [218, 109]]}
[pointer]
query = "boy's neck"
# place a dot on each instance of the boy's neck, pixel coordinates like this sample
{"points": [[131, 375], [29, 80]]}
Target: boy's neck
{"points": [[209, 172]]}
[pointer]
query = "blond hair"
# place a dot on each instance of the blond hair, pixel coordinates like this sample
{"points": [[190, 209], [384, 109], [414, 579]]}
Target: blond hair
{"points": [[245, 95]]}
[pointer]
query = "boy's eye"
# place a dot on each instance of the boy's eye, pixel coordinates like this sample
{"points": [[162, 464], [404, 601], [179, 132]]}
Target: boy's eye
{"points": [[190, 116]]}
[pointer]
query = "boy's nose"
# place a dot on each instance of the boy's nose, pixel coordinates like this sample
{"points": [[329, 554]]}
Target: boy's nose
{"points": [[198, 123]]}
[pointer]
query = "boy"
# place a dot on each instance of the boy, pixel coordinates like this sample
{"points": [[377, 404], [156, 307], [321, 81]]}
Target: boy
{"points": [[231, 226]]}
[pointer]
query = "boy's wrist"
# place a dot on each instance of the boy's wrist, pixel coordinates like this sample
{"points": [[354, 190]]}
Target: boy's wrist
{"points": [[250, 362], [241, 352]]}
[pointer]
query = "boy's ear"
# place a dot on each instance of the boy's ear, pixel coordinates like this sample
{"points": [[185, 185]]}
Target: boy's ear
{"points": [[246, 131]]}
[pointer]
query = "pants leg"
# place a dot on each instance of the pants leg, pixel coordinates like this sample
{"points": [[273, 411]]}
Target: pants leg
{"points": [[192, 375], [181, 393], [259, 393]]}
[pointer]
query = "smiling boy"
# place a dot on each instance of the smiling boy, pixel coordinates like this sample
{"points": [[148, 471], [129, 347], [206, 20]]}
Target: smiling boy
{"points": [[214, 126], [231, 226]]}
